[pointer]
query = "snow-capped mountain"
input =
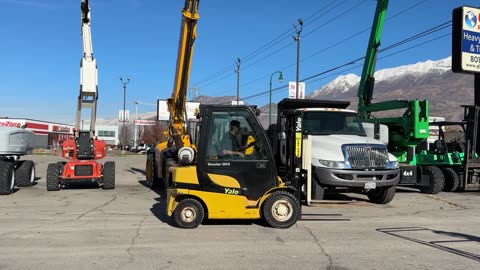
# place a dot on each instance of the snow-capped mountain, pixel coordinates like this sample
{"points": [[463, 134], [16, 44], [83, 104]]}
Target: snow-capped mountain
{"points": [[429, 80]]}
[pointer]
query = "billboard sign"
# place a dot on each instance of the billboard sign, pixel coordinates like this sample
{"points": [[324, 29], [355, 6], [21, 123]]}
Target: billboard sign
{"points": [[164, 115], [466, 40], [292, 90], [123, 116]]}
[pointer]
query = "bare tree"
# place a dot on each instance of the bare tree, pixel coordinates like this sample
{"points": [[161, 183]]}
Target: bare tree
{"points": [[125, 135], [154, 134]]}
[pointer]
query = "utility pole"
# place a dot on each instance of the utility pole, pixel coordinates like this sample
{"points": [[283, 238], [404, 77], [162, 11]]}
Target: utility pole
{"points": [[297, 39], [194, 92], [238, 81]]}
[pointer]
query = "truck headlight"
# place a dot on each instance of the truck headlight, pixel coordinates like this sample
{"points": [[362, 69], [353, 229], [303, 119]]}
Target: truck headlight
{"points": [[332, 164], [393, 164]]}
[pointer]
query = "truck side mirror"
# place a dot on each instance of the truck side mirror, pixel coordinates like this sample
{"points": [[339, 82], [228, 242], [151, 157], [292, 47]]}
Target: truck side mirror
{"points": [[376, 130]]}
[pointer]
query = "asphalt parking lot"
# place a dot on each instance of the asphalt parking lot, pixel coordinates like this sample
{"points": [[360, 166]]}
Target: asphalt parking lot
{"points": [[126, 228]]}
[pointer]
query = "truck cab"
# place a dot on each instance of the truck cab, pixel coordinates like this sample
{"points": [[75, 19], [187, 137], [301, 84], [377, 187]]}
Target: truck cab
{"points": [[343, 156]]}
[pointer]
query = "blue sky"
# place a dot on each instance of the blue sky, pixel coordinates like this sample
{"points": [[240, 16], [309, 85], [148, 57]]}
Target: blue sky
{"points": [[41, 48]]}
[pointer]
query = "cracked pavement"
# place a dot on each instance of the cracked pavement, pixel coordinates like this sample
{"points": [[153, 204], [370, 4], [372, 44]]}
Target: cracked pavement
{"points": [[89, 228]]}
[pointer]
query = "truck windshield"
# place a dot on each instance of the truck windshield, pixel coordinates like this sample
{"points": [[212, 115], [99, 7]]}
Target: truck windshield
{"points": [[332, 122]]}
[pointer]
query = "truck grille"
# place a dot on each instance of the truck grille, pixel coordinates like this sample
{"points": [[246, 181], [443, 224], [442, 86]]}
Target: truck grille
{"points": [[367, 156]]}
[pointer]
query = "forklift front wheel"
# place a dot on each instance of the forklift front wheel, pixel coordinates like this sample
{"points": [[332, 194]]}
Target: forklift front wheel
{"points": [[188, 214], [281, 210]]}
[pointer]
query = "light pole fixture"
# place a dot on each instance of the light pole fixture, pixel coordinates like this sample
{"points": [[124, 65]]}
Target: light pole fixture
{"points": [[297, 39], [280, 79], [134, 126], [124, 83]]}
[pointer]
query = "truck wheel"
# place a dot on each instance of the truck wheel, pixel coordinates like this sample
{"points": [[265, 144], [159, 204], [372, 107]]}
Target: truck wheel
{"points": [[452, 181], [7, 178], [436, 180], [53, 177], [150, 173], [188, 214], [382, 195], [108, 175], [318, 192], [281, 210], [25, 174]]}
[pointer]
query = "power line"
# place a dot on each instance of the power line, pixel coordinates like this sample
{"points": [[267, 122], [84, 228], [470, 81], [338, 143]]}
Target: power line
{"points": [[407, 40], [266, 47], [323, 50]]}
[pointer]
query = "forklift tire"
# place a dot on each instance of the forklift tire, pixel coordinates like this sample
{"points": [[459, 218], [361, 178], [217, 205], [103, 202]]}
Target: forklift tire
{"points": [[53, 177], [281, 210], [25, 174], [436, 180], [150, 173], [188, 214], [452, 181], [318, 192], [108, 175], [7, 178], [382, 195]]}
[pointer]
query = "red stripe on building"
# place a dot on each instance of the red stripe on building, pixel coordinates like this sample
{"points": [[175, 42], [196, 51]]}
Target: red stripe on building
{"points": [[37, 126]]}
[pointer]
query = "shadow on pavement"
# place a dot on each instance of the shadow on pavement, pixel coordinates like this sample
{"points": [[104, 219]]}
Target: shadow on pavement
{"points": [[460, 237]]}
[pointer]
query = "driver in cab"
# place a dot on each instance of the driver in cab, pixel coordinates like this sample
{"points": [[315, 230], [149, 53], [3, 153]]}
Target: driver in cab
{"points": [[229, 143]]}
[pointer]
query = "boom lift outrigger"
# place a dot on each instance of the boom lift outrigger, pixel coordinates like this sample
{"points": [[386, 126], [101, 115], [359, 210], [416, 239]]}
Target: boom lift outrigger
{"points": [[84, 149], [201, 180]]}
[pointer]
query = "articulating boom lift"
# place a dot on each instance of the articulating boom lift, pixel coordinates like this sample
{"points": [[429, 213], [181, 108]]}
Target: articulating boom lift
{"points": [[84, 149]]}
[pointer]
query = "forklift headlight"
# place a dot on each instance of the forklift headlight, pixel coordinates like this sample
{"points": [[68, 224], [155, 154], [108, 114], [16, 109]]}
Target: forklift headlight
{"points": [[332, 164]]}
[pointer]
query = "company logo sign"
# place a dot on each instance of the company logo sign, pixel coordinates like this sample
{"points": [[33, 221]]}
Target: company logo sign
{"points": [[471, 19]]}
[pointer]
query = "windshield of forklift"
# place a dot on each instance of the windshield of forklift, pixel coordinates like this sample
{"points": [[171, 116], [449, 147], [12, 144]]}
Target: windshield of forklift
{"points": [[332, 122]]}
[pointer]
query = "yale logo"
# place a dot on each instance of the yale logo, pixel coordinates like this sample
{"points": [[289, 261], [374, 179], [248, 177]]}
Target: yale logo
{"points": [[232, 191], [298, 127]]}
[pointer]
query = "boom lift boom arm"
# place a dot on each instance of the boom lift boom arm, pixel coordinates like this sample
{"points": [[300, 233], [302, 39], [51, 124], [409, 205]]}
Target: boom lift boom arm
{"points": [[88, 74], [177, 102]]}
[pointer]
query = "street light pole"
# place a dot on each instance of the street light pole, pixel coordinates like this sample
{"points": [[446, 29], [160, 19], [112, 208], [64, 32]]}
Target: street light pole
{"points": [[280, 79], [124, 83], [297, 39], [238, 80]]}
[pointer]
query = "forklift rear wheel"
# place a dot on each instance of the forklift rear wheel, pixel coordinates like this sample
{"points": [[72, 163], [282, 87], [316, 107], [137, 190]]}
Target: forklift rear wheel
{"points": [[452, 181], [7, 178], [382, 195], [281, 210], [25, 174], [53, 177], [436, 180], [188, 214], [109, 175]]}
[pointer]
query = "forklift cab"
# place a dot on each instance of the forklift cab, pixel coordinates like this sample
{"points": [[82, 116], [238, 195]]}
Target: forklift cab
{"points": [[252, 168]]}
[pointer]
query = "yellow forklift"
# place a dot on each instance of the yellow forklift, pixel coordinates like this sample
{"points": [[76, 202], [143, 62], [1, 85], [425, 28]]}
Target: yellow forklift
{"points": [[228, 170]]}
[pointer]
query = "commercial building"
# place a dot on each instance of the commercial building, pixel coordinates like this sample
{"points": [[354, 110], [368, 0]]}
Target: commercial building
{"points": [[48, 134]]}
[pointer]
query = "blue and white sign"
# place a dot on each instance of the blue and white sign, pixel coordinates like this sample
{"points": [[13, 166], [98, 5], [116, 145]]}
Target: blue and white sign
{"points": [[471, 40]]}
